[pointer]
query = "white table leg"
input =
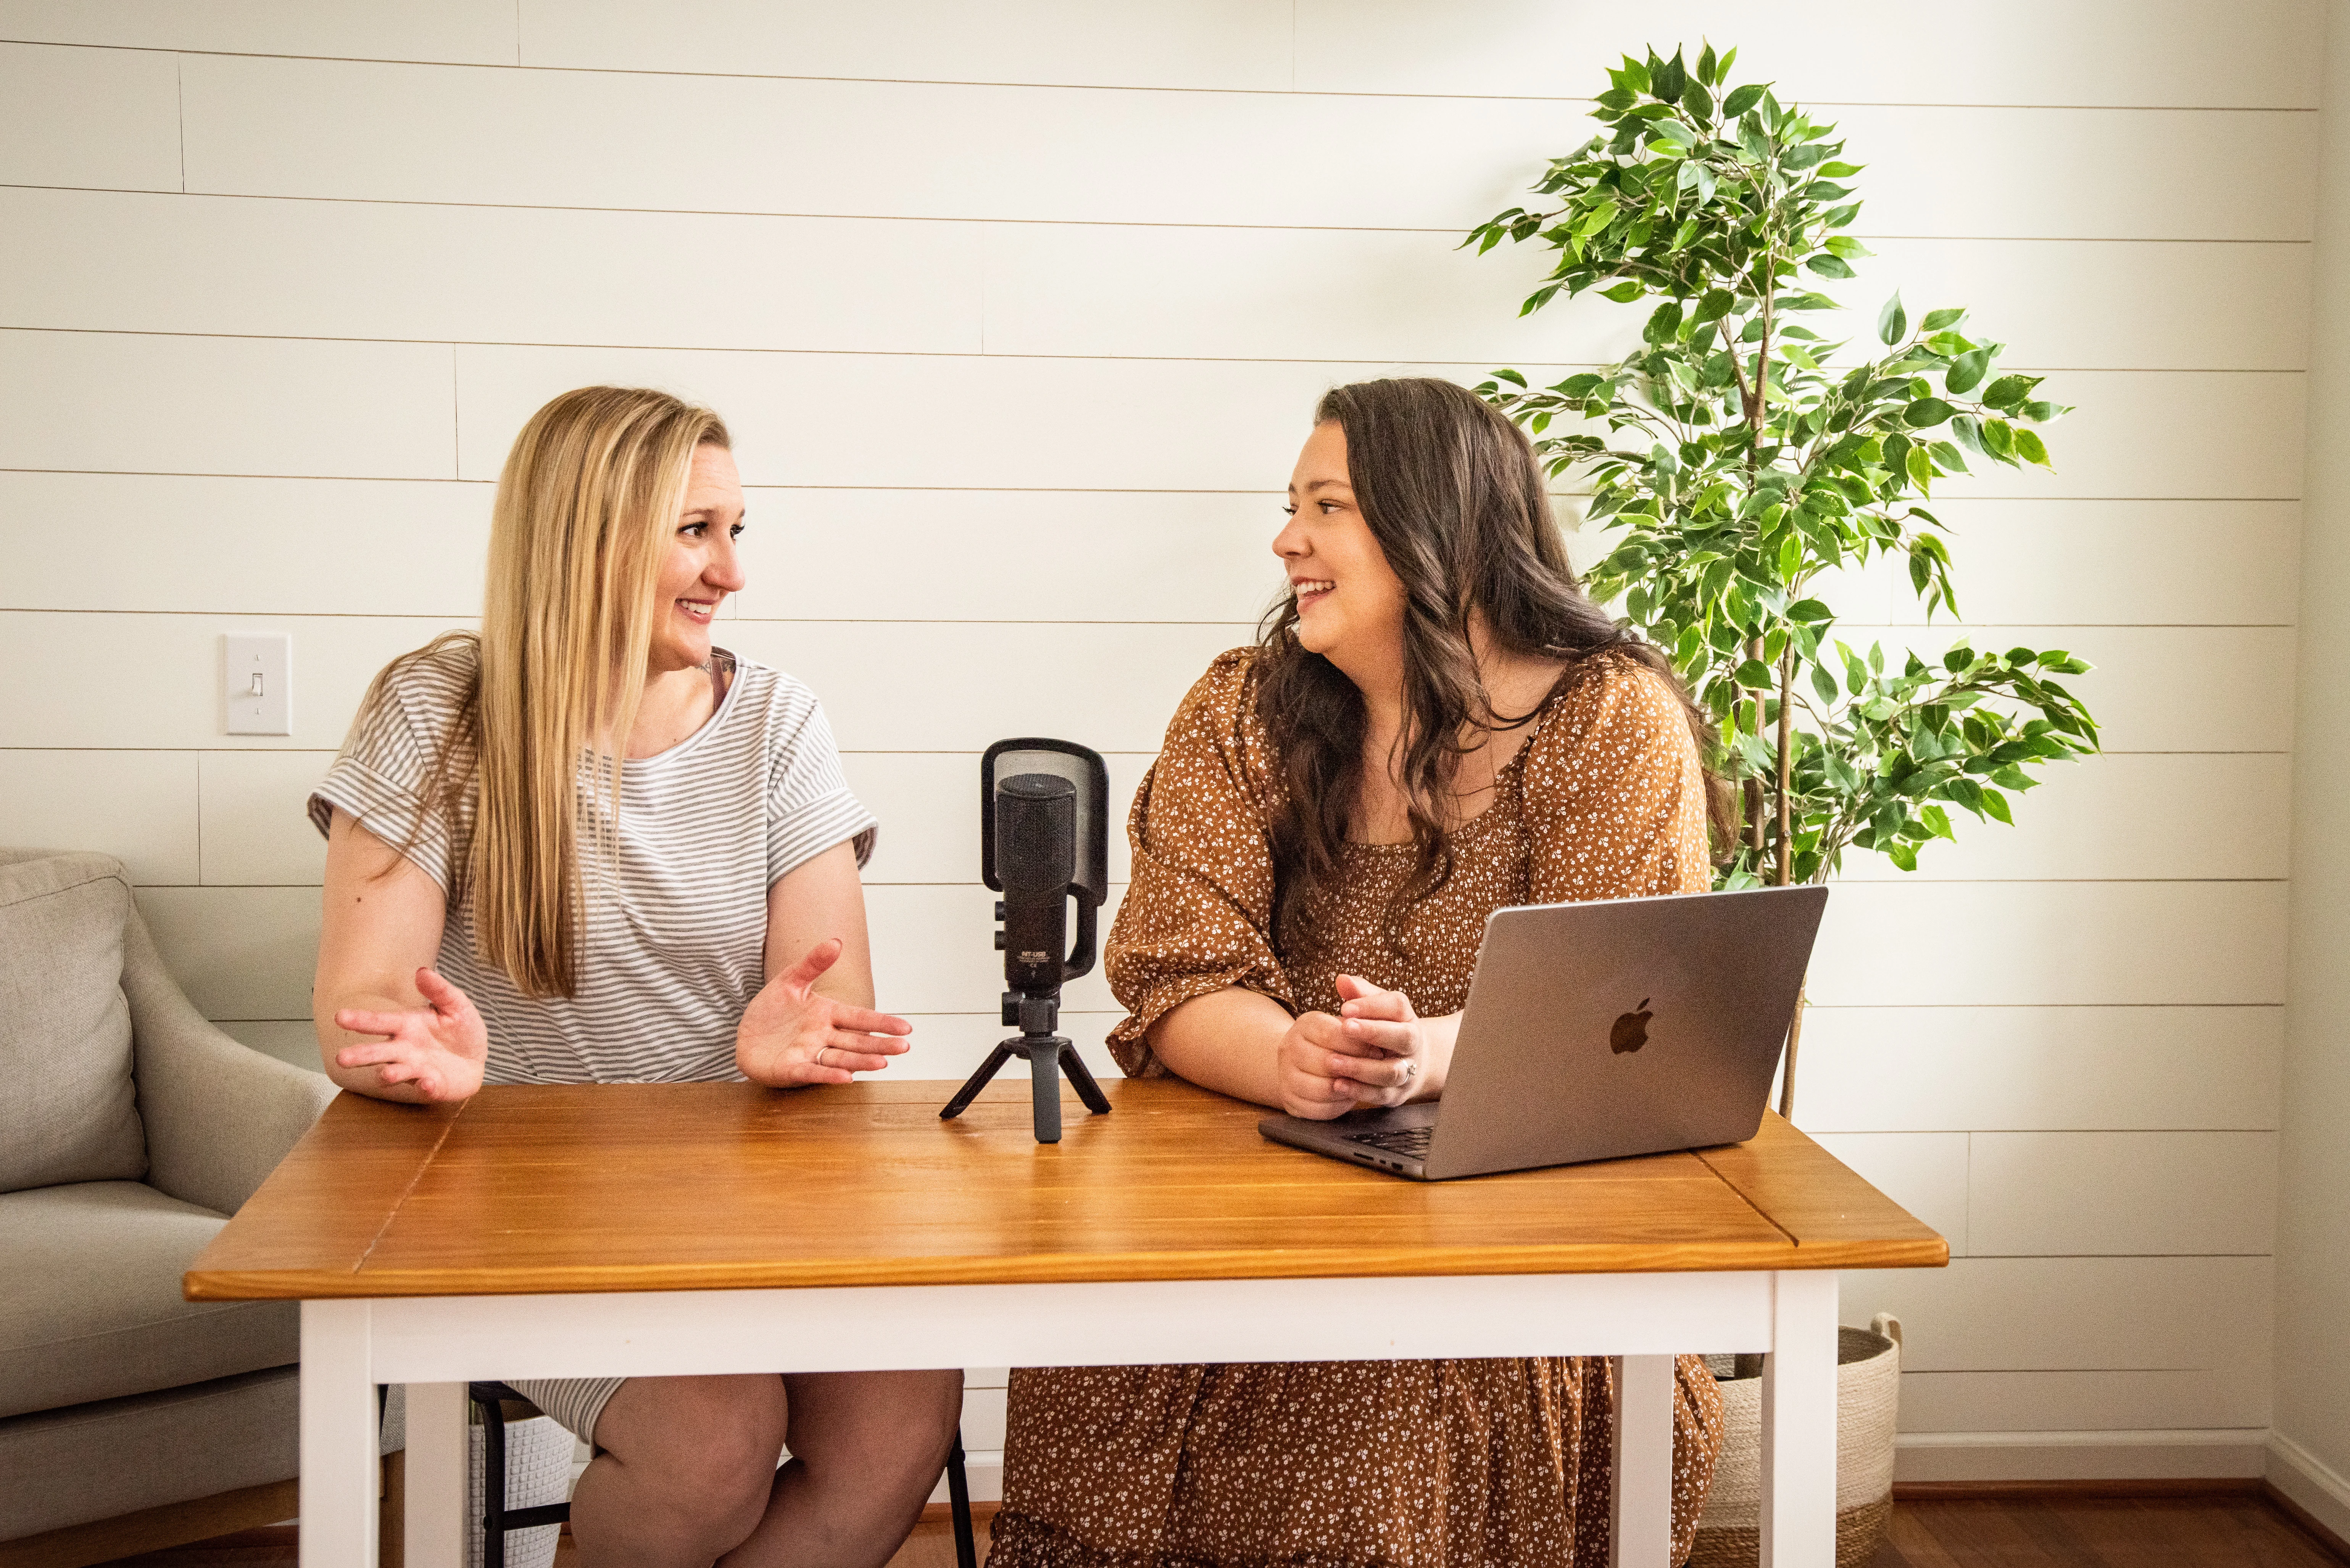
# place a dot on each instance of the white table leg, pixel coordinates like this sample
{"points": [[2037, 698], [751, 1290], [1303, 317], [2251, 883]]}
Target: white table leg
{"points": [[437, 1464], [1799, 1422], [338, 1437], [1642, 1532]]}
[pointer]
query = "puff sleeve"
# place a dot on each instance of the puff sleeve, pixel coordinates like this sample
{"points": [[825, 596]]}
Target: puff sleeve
{"points": [[1198, 913], [1614, 796]]}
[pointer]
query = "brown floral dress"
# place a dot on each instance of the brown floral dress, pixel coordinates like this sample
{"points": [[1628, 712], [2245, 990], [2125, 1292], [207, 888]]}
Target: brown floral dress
{"points": [[1365, 1464]]}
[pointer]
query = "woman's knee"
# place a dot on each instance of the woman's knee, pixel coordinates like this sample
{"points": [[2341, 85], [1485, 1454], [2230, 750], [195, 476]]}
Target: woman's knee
{"points": [[712, 1443], [891, 1427]]}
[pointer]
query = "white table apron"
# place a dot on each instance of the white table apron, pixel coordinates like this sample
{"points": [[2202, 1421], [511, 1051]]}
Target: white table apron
{"points": [[436, 1344]]}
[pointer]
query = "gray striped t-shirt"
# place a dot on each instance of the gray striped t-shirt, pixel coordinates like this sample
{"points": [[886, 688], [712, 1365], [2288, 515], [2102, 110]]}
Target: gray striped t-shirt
{"points": [[673, 950]]}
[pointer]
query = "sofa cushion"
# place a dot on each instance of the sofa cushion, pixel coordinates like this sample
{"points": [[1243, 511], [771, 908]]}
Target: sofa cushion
{"points": [[64, 1030], [92, 1308], [117, 1456]]}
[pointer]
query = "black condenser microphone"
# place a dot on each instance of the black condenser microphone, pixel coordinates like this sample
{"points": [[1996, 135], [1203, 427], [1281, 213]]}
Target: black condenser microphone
{"points": [[1043, 844], [1035, 860]]}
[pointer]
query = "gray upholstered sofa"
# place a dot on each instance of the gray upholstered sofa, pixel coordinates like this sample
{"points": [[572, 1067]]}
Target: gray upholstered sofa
{"points": [[130, 1130]]}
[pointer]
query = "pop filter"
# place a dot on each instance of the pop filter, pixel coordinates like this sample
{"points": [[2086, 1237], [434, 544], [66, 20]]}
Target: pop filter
{"points": [[1044, 836]]}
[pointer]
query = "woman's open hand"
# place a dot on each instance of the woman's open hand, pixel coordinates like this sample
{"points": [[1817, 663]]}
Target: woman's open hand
{"points": [[1374, 1051], [439, 1048], [793, 1033]]}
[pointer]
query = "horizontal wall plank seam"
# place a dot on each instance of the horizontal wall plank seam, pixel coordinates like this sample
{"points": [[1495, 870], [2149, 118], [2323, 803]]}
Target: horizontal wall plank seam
{"points": [[526, 67], [1062, 490], [977, 357], [1045, 223], [1246, 628]]}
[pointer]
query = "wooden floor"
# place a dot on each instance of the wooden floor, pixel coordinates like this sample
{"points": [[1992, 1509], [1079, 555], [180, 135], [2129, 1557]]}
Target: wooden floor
{"points": [[2098, 1532], [2069, 1533]]}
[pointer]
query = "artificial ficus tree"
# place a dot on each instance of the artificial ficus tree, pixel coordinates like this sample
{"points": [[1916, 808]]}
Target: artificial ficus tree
{"points": [[1741, 465]]}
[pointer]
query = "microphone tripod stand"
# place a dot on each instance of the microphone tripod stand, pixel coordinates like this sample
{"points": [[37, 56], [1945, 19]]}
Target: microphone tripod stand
{"points": [[1048, 1055]]}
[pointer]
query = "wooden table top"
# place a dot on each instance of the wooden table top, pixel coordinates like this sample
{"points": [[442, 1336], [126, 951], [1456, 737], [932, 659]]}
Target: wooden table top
{"points": [[642, 1186]]}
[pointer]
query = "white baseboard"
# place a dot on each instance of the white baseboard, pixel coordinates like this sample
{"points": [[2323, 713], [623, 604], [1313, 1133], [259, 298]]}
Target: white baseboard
{"points": [[2310, 1481], [2227, 1453]]}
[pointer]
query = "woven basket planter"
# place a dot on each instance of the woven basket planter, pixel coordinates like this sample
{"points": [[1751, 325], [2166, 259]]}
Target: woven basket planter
{"points": [[538, 1471], [1868, 1387]]}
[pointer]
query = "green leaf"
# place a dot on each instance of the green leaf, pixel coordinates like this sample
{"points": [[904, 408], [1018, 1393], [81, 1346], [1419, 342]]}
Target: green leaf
{"points": [[1624, 293], [2009, 391], [1713, 306], [1967, 370], [1998, 439], [1755, 676], [1921, 472], [1829, 265], [1948, 457], [2029, 447], [1697, 101], [1996, 805], [1709, 69], [1893, 322], [1743, 99], [1927, 411], [1938, 319], [1665, 84], [1663, 322]]}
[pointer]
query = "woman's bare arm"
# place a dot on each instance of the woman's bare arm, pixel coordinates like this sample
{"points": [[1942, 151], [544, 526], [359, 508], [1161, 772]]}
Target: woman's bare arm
{"points": [[380, 1031], [1228, 1041], [813, 1022], [823, 897]]}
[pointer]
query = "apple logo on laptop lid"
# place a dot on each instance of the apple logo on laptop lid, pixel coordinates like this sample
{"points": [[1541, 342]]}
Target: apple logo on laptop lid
{"points": [[1631, 1029]]}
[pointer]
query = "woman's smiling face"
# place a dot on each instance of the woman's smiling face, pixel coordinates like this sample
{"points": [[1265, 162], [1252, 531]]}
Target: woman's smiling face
{"points": [[1349, 600], [703, 567]]}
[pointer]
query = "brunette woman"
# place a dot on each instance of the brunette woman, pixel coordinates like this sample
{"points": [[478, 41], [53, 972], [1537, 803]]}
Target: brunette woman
{"points": [[586, 845], [1435, 723]]}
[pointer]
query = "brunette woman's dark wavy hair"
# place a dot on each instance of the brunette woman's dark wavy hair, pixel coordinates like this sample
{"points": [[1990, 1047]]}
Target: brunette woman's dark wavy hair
{"points": [[1455, 496]]}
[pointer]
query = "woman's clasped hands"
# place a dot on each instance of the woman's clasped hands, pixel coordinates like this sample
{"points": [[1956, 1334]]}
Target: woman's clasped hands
{"points": [[794, 1033], [1375, 1051]]}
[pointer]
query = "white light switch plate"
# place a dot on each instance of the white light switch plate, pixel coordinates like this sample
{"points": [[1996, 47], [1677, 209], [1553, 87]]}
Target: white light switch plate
{"points": [[260, 675]]}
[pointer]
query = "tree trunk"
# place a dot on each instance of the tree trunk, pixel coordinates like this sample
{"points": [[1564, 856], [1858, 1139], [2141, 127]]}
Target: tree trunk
{"points": [[1758, 801], [1795, 1039], [1787, 763]]}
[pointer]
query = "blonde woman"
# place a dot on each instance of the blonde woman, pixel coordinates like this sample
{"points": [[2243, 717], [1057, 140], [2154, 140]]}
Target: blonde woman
{"points": [[586, 845]]}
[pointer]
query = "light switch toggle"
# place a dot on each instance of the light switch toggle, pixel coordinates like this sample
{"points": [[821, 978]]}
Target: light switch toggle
{"points": [[259, 684]]}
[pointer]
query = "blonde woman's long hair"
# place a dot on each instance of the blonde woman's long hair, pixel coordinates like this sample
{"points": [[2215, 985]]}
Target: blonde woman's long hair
{"points": [[578, 536]]}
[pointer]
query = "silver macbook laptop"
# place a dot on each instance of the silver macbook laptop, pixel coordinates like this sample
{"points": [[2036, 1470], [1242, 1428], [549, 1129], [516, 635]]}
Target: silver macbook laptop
{"points": [[1600, 1030]]}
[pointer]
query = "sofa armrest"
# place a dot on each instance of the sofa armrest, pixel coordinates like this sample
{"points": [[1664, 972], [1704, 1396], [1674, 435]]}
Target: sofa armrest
{"points": [[219, 1115]]}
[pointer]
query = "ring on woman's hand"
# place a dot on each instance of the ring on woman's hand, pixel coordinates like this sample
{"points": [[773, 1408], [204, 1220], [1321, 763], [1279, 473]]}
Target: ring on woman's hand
{"points": [[819, 1054], [1410, 1068]]}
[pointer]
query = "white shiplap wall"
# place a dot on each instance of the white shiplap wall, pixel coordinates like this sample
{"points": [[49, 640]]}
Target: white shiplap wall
{"points": [[1018, 312]]}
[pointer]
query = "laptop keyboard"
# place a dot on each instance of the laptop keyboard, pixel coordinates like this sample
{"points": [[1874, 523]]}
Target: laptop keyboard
{"points": [[1412, 1141]]}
